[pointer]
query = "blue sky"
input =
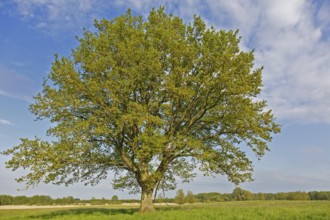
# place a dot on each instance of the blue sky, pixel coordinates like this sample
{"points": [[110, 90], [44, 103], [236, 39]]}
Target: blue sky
{"points": [[291, 39]]}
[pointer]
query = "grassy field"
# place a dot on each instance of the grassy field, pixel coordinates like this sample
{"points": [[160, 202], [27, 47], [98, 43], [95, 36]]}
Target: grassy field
{"points": [[270, 210]]}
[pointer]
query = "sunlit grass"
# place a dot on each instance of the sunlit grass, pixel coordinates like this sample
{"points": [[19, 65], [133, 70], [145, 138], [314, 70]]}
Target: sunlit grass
{"points": [[269, 210]]}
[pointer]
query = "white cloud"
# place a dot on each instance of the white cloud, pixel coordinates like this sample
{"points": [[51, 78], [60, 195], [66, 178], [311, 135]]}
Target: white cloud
{"points": [[289, 38], [282, 13], [297, 73], [5, 122]]}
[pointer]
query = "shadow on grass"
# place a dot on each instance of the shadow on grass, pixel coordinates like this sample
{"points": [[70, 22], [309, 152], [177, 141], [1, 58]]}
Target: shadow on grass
{"points": [[92, 211], [170, 208], [83, 211]]}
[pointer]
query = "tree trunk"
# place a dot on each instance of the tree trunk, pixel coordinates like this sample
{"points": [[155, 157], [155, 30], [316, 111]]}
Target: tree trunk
{"points": [[147, 204]]}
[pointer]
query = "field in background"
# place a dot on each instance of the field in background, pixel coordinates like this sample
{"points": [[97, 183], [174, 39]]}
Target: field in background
{"points": [[270, 210]]}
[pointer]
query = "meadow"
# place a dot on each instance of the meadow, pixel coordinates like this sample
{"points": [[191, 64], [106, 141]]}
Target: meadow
{"points": [[270, 210]]}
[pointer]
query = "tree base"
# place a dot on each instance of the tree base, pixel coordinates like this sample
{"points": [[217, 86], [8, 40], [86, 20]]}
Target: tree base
{"points": [[147, 204]]}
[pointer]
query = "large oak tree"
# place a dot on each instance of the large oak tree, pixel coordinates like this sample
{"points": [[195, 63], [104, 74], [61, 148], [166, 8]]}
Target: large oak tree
{"points": [[148, 100]]}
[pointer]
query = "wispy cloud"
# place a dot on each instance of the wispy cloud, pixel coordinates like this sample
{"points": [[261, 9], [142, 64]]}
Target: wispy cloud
{"points": [[313, 151], [15, 85], [5, 122], [279, 180], [55, 16]]}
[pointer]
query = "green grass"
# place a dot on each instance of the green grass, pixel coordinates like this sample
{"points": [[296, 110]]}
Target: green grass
{"points": [[270, 210]]}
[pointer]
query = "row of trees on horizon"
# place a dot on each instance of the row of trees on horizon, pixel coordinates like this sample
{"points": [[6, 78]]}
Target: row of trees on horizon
{"points": [[238, 194]]}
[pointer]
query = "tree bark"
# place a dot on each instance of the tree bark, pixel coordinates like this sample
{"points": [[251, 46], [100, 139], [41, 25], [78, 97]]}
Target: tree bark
{"points": [[147, 204]]}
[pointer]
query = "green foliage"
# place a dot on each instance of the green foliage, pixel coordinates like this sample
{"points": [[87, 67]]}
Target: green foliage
{"points": [[35, 200], [209, 197], [259, 196], [6, 200], [114, 198], [241, 194], [160, 198], [297, 196], [65, 201], [319, 195], [180, 197], [40, 199], [190, 198], [148, 100]]}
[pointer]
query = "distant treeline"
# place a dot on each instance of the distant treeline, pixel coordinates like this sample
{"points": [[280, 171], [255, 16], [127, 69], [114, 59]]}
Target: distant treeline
{"points": [[242, 195], [237, 195], [47, 200]]}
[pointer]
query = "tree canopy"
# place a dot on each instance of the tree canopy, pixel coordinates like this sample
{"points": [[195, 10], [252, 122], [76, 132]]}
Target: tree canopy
{"points": [[148, 100]]}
